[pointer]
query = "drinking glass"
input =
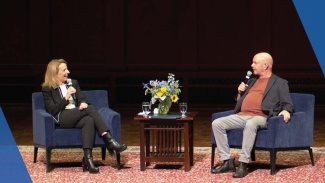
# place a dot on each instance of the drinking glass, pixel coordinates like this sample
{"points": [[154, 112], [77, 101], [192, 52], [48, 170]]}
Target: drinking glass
{"points": [[146, 108], [183, 108]]}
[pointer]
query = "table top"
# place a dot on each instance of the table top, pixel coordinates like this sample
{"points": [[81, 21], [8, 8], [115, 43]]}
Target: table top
{"points": [[175, 116]]}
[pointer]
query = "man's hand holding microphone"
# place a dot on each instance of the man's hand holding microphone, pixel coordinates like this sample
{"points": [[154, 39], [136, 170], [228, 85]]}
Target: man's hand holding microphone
{"points": [[243, 85]]}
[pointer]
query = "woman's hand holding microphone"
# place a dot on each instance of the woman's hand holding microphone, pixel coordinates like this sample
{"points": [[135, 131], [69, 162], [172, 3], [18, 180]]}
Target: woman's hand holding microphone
{"points": [[70, 91]]}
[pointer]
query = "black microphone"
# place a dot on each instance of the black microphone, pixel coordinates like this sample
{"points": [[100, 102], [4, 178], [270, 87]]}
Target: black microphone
{"points": [[248, 76], [69, 83]]}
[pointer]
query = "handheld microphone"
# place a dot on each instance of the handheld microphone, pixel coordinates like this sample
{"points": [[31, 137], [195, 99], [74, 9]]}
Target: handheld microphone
{"points": [[248, 76], [69, 83]]}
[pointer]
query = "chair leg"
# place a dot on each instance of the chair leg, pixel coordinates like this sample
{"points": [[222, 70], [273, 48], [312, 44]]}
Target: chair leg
{"points": [[272, 160], [311, 156], [35, 153], [253, 157], [48, 159], [103, 153], [213, 150], [118, 161]]}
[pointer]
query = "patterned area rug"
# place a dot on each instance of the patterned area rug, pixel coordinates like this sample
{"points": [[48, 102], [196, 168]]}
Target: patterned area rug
{"points": [[292, 166]]}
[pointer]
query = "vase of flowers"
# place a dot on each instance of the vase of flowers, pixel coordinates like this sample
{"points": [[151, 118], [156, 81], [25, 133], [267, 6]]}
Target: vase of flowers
{"points": [[165, 92], [164, 106]]}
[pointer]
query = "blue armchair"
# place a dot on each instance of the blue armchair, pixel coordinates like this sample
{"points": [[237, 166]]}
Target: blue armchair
{"points": [[279, 136], [47, 135]]}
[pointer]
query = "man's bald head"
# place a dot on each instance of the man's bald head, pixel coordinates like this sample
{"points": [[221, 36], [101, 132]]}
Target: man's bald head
{"points": [[262, 64], [266, 58]]}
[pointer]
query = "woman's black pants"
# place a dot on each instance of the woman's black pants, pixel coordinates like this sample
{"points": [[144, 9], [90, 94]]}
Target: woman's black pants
{"points": [[88, 120]]}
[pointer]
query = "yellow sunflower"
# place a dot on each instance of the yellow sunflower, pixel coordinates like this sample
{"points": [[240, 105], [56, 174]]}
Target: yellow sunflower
{"points": [[174, 98], [163, 90], [159, 94]]}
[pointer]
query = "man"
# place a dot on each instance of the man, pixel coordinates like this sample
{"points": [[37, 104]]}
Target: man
{"points": [[259, 99]]}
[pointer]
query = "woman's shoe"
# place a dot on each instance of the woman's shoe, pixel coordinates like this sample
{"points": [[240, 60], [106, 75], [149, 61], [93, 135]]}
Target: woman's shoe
{"points": [[111, 152], [112, 144], [87, 162]]}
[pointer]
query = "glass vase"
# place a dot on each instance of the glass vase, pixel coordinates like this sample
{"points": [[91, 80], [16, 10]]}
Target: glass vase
{"points": [[164, 106]]}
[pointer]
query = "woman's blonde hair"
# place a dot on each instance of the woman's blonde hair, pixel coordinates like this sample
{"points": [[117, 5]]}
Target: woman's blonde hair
{"points": [[51, 72]]}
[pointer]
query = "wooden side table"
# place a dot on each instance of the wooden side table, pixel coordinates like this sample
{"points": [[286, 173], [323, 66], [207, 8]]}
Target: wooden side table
{"points": [[166, 138]]}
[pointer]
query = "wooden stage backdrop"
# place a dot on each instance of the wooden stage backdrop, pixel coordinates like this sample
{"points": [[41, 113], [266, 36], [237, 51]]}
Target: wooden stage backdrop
{"points": [[117, 45]]}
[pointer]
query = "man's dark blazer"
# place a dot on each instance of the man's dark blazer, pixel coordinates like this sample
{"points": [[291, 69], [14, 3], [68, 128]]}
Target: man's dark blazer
{"points": [[276, 96], [54, 103]]}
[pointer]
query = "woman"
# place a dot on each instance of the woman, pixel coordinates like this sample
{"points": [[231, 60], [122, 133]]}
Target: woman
{"points": [[70, 109]]}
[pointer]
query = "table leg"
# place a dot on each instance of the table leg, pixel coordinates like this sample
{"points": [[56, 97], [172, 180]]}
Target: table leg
{"points": [[186, 147], [191, 144], [147, 136], [142, 152]]}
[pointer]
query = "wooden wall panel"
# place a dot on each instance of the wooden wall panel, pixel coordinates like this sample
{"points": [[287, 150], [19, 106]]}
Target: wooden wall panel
{"points": [[160, 33], [39, 32], [224, 34], [117, 45], [261, 25], [14, 32], [291, 49], [87, 33]]}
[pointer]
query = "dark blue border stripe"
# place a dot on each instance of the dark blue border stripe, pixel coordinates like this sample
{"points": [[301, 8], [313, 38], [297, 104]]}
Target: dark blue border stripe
{"points": [[312, 16], [12, 166]]}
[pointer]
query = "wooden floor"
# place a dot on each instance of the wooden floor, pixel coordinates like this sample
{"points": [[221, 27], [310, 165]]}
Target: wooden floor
{"points": [[20, 123]]}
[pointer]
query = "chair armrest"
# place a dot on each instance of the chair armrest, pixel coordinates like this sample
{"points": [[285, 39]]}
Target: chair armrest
{"points": [[43, 127], [298, 132], [221, 114], [113, 120]]}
